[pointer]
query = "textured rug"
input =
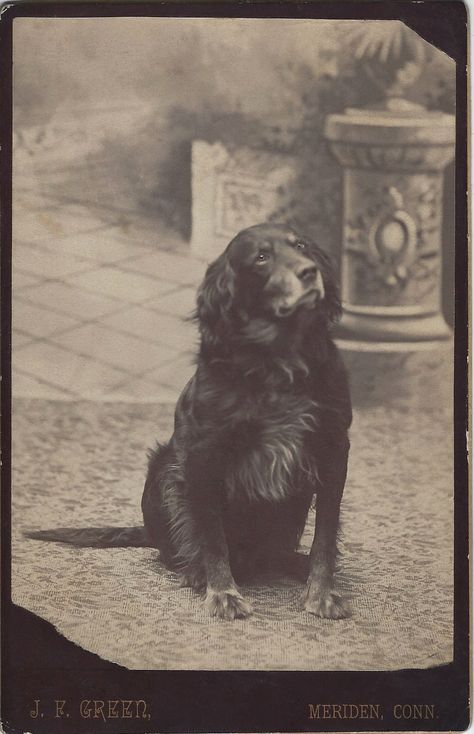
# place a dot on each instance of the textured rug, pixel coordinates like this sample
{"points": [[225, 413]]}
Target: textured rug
{"points": [[83, 464]]}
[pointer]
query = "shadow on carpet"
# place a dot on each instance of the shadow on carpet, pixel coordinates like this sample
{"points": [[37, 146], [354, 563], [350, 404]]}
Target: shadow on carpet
{"points": [[83, 464]]}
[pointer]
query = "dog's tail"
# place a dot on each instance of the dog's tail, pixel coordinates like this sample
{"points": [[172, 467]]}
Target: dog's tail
{"points": [[95, 537]]}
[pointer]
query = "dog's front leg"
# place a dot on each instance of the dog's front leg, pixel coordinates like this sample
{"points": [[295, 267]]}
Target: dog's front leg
{"points": [[223, 598], [319, 596]]}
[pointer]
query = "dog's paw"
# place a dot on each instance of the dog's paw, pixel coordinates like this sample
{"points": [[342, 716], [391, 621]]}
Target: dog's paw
{"points": [[324, 602], [227, 604]]}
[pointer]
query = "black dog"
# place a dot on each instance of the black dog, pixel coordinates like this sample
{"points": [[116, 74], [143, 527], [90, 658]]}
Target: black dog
{"points": [[259, 430]]}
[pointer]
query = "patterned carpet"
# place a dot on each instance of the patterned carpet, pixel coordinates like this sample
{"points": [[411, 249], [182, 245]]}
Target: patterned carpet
{"points": [[83, 464]]}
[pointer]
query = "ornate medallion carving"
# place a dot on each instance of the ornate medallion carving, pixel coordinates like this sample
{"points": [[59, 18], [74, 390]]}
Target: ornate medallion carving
{"points": [[391, 240]]}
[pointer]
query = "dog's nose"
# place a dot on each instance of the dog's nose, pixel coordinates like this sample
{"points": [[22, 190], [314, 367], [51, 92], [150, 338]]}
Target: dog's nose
{"points": [[308, 272]]}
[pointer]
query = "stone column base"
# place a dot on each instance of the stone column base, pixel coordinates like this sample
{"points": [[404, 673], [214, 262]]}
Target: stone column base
{"points": [[405, 375], [375, 327]]}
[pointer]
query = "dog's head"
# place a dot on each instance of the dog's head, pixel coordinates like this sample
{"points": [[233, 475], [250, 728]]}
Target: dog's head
{"points": [[269, 273]]}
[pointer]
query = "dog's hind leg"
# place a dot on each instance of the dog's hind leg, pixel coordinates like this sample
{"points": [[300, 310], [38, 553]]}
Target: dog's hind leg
{"points": [[168, 519]]}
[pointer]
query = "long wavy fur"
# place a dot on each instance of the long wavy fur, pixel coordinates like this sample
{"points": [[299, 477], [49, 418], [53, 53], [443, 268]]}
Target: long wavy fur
{"points": [[255, 428]]}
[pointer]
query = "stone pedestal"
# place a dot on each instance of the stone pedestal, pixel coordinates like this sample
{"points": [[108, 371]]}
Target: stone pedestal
{"points": [[391, 257], [232, 190]]}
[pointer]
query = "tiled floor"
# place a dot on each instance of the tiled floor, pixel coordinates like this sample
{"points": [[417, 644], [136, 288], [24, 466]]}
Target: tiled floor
{"points": [[99, 308]]}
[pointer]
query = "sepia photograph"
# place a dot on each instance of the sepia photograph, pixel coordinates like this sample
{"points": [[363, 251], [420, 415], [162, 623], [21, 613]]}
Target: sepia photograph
{"points": [[195, 204], [233, 310]]}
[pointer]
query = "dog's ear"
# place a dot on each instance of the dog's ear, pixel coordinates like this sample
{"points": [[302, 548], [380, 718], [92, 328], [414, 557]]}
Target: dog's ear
{"points": [[215, 300], [332, 301]]}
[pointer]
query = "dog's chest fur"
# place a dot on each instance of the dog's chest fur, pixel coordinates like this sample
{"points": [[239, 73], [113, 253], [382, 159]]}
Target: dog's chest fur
{"points": [[268, 461]]}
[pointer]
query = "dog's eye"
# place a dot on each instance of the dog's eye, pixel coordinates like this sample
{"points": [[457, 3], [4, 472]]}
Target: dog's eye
{"points": [[262, 257], [300, 246]]}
